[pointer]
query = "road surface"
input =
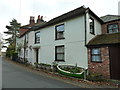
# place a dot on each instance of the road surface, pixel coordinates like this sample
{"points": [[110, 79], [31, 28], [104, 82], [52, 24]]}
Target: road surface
{"points": [[14, 76]]}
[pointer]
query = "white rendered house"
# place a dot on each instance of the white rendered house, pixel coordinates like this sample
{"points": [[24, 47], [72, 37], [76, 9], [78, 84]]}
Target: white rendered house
{"points": [[64, 38]]}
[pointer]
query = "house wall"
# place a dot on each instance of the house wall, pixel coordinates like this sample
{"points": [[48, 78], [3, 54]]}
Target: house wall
{"points": [[23, 50], [97, 27], [31, 38], [101, 67], [20, 42], [74, 42], [104, 26]]}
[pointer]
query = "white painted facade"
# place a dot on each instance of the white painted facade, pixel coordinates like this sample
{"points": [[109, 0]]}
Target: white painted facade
{"points": [[20, 43], [31, 56], [97, 27], [74, 42]]}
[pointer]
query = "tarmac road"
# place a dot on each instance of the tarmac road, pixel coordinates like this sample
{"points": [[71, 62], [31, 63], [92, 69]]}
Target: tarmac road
{"points": [[17, 77]]}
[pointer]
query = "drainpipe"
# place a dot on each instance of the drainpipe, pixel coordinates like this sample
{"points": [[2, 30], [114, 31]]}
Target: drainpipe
{"points": [[85, 30], [86, 27], [24, 48], [85, 72]]}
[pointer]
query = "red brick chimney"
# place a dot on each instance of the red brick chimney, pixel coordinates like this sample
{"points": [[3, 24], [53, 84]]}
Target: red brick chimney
{"points": [[32, 21], [40, 19]]}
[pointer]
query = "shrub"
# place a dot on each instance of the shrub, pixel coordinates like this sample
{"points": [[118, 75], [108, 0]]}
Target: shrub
{"points": [[95, 77]]}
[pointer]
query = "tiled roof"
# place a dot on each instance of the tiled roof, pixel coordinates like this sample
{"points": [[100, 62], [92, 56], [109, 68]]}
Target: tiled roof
{"points": [[105, 39], [109, 18], [27, 28], [69, 15]]}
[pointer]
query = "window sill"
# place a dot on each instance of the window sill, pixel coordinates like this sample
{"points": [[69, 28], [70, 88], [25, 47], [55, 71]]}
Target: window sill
{"points": [[60, 39], [60, 60], [92, 33], [36, 43], [96, 61]]}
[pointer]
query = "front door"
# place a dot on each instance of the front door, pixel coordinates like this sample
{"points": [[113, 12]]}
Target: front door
{"points": [[114, 53], [37, 55]]}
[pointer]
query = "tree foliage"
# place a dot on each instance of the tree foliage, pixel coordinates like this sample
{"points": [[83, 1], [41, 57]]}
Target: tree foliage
{"points": [[13, 32]]}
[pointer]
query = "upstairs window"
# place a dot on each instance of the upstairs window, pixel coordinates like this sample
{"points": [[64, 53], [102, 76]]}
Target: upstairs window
{"points": [[95, 55], [113, 28], [59, 53], [37, 37], [59, 31], [91, 23]]}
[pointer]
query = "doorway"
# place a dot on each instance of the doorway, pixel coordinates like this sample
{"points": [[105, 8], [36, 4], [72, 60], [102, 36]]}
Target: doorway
{"points": [[37, 55], [114, 55]]}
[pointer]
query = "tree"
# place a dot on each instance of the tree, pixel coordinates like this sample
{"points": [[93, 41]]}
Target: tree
{"points": [[13, 32]]}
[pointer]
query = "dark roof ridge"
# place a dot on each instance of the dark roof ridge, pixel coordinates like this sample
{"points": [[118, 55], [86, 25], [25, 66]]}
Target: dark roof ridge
{"points": [[68, 15], [110, 15], [105, 39]]}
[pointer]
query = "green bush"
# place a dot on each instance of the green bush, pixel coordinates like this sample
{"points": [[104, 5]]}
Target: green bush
{"points": [[11, 53], [95, 77]]}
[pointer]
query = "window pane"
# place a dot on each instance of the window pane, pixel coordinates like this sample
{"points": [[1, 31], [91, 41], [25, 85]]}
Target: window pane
{"points": [[113, 28], [96, 58], [60, 49], [110, 31], [60, 56], [37, 34], [60, 35], [93, 58], [110, 26], [60, 53], [91, 25], [60, 31], [37, 37], [96, 51], [60, 28]]}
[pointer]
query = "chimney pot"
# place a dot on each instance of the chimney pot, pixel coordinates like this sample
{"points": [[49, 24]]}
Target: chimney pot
{"points": [[38, 16], [41, 17], [32, 21]]}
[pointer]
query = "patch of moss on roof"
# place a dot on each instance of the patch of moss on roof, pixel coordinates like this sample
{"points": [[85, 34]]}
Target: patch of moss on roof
{"points": [[104, 39]]}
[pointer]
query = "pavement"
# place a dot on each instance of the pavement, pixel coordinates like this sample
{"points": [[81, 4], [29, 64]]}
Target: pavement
{"points": [[71, 82]]}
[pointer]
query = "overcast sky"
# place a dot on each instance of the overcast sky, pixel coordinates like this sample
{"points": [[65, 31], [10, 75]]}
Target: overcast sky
{"points": [[21, 10]]}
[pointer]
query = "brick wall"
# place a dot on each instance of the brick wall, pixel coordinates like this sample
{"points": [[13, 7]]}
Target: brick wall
{"points": [[100, 68], [104, 26]]}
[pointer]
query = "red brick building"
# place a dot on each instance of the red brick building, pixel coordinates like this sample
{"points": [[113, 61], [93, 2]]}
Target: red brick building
{"points": [[104, 49]]}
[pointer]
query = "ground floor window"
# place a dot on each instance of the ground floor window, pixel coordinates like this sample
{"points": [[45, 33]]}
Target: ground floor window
{"points": [[96, 55], [59, 53]]}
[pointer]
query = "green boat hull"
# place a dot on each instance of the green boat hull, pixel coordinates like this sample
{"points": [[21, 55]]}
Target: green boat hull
{"points": [[77, 75]]}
